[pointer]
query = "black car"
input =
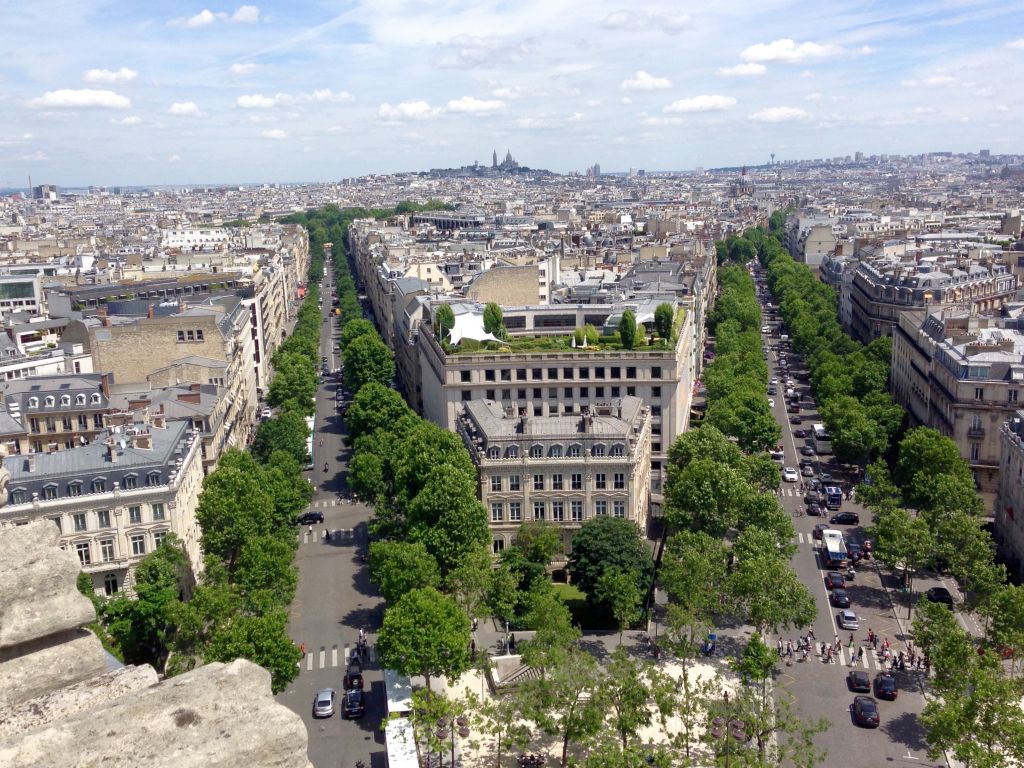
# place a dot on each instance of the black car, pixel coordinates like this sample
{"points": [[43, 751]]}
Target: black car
{"points": [[818, 531], [795, 419], [772, 391], [813, 510], [309, 518], [840, 598], [800, 433], [940, 595], [855, 551], [865, 711], [885, 687], [858, 681], [353, 679], [807, 451], [845, 518], [813, 497], [352, 704], [835, 580]]}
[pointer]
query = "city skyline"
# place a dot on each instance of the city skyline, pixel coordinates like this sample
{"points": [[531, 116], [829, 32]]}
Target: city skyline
{"points": [[116, 93]]}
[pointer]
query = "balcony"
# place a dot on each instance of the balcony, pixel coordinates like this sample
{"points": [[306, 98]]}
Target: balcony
{"points": [[976, 431]]}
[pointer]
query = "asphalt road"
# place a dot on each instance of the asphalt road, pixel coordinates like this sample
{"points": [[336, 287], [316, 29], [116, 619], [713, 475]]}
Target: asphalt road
{"points": [[334, 598], [817, 688]]}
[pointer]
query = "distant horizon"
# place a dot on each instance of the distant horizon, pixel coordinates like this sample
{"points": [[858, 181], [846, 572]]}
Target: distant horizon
{"points": [[116, 93]]}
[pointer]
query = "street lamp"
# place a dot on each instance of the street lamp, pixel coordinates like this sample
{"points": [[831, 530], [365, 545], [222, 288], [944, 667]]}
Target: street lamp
{"points": [[728, 729], [446, 730]]}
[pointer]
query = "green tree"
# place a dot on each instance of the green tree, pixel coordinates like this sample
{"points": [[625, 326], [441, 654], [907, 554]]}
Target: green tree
{"points": [[619, 593], [367, 359], [425, 633], [470, 580], [354, 329], [499, 718], [1005, 620], [375, 406], [494, 320], [664, 315], [289, 491], [930, 471], [626, 694], [539, 541], [608, 543], [902, 542], [398, 567], [447, 518], [628, 329], [285, 432], [294, 384], [262, 639], [444, 319], [764, 587], [264, 572], [706, 496], [694, 566], [554, 635], [503, 594], [233, 507]]}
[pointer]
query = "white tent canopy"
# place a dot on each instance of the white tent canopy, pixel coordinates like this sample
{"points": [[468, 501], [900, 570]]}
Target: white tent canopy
{"points": [[470, 326]]}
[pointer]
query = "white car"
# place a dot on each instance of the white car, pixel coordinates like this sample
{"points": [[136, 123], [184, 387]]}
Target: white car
{"points": [[775, 381], [771, 403], [765, 329], [790, 475]]}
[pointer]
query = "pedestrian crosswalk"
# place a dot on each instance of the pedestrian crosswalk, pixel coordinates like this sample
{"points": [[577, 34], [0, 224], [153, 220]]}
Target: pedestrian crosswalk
{"points": [[332, 657], [326, 503], [338, 536], [789, 490]]}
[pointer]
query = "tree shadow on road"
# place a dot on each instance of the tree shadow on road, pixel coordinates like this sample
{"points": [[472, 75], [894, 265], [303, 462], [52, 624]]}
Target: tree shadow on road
{"points": [[906, 729]]}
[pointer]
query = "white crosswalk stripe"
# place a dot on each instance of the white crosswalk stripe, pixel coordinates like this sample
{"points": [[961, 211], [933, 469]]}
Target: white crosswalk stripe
{"points": [[333, 660]]}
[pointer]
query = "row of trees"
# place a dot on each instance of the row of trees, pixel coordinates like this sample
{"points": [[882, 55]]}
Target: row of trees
{"points": [[246, 512], [736, 379]]}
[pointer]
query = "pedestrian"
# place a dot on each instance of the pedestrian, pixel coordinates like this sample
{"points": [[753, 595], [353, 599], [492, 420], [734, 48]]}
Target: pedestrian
{"points": [[823, 649], [851, 639], [778, 646], [810, 633], [302, 649], [871, 635], [835, 640], [874, 642], [311, 530], [789, 648], [860, 654], [362, 634]]}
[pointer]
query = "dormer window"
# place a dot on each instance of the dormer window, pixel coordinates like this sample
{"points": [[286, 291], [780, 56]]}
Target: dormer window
{"points": [[153, 478], [99, 485], [597, 450], [618, 450], [555, 452], [512, 452], [19, 496], [536, 451], [50, 401], [80, 399], [33, 402], [493, 452], [130, 482], [65, 400], [574, 451], [95, 399]]}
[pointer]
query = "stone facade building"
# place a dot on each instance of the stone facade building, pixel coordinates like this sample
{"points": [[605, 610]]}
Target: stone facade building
{"points": [[113, 500], [56, 412], [565, 469], [1009, 507]]}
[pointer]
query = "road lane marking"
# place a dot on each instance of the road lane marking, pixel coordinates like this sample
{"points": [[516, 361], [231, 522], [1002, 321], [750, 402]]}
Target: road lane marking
{"points": [[323, 656], [334, 655], [309, 662]]}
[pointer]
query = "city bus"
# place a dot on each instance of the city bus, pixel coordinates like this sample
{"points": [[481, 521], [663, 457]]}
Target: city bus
{"points": [[822, 441], [309, 442]]}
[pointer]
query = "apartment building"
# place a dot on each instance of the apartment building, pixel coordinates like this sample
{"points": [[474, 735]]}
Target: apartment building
{"points": [[1009, 507], [56, 413], [565, 469], [963, 375], [114, 499]]}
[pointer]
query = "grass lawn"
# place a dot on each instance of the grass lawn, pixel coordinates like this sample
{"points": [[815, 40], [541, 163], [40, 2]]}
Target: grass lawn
{"points": [[583, 614]]}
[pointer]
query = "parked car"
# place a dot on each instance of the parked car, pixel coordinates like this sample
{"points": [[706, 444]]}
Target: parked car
{"points": [[940, 595], [323, 703], [352, 704], [847, 620], [825, 477], [309, 518], [885, 686], [771, 403], [807, 471], [858, 681], [845, 518], [795, 420], [807, 450], [789, 475], [865, 711], [801, 433], [773, 391], [814, 496], [855, 551], [840, 598]]}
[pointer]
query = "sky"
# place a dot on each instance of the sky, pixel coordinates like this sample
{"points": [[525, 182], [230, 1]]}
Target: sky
{"points": [[125, 92]]}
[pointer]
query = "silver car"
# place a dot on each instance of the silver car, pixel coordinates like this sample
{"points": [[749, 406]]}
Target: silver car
{"points": [[323, 704], [847, 620]]}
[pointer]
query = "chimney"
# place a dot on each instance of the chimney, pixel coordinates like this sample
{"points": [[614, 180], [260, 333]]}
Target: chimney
{"points": [[30, 463], [105, 379], [112, 450], [151, 313], [143, 441], [189, 397]]}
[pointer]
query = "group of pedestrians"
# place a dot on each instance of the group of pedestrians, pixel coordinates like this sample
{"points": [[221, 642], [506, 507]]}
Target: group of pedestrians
{"points": [[789, 650]]}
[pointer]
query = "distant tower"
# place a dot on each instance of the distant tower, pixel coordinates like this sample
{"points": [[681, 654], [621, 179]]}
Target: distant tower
{"points": [[773, 158], [494, 159]]}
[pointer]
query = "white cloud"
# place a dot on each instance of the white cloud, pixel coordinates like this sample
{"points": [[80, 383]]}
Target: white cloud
{"points": [[743, 70], [319, 96], [201, 19], [274, 133], [506, 93], [471, 51], [407, 110], [470, 105], [642, 20], [702, 103], [593, 102], [122, 75], [813, 96], [131, 120], [83, 98], [662, 121], [788, 50], [779, 115], [35, 157], [645, 81], [173, 158], [243, 69], [1016, 45], [185, 109], [255, 101], [934, 81], [246, 14]]}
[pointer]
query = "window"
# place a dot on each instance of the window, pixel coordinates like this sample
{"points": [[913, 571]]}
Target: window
{"points": [[567, 373], [538, 510], [489, 374], [512, 452], [153, 478], [506, 374], [498, 545], [617, 450], [599, 372], [33, 424], [576, 481], [515, 511], [97, 420], [552, 392], [655, 391], [51, 424], [79, 399], [131, 481], [50, 492], [99, 485], [464, 376], [598, 391], [584, 392], [134, 515], [84, 552], [56, 521], [574, 451], [467, 394], [19, 496], [95, 399], [555, 452], [495, 483], [158, 538], [631, 372], [66, 423], [979, 393], [75, 488], [497, 512], [975, 451], [190, 335], [616, 372], [520, 374], [552, 373], [1011, 395], [619, 508], [107, 550], [537, 393], [489, 394], [616, 391], [103, 516], [513, 482], [600, 481], [619, 481], [33, 402], [556, 482], [597, 450], [558, 511], [536, 451], [83, 421], [520, 394], [631, 391], [506, 394], [655, 410], [975, 421], [138, 542], [181, 335], [577, 511], [65, 400], [110, 584], [656, 372], [80, 524], [537, 374], [568, 393], [600, 508], [538, 482]]}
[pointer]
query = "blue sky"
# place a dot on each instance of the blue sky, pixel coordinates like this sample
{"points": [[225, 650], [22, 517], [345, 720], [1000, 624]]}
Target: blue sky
{"points": [[123, 92]]}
